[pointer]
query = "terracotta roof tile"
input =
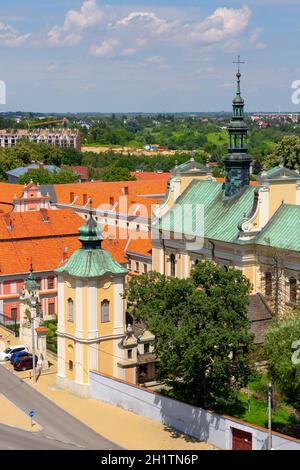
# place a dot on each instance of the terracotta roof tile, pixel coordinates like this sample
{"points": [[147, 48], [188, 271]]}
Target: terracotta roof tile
{"points": [[26, 225], [141, 246], [101, 192]]}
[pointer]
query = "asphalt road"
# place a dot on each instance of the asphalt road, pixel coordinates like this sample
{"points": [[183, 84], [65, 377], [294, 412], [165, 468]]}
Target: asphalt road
{"points": [[60, 430]]}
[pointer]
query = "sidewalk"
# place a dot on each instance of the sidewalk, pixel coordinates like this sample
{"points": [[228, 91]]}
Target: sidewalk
{"points": [[11, 415], [126, 429]]}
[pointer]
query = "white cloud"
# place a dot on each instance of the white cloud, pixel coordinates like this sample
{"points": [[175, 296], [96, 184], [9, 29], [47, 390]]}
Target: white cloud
{"points": [[75, 22], [223, 24], [11, 37], [146, 19], [106, 49]]}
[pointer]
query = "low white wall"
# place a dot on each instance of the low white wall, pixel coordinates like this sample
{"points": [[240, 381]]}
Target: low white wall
{"points": [[194, 421]]}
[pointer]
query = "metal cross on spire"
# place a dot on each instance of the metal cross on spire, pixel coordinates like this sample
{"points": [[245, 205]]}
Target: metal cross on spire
{"points": [[239, 62]]}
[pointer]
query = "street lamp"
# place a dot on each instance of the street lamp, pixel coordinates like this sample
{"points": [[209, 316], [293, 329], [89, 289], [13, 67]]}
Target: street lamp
{"points": [[30, 295], [270, 393]]}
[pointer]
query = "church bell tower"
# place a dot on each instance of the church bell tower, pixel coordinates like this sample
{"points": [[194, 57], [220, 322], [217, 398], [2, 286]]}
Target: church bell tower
{"points": [[237, 162]]}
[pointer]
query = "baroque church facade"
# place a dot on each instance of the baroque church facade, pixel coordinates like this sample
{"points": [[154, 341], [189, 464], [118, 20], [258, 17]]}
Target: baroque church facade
{"points": [[237, 224]]}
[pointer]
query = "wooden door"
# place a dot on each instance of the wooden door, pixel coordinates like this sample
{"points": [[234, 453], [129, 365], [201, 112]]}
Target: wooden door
{"points": [[241, 440]]}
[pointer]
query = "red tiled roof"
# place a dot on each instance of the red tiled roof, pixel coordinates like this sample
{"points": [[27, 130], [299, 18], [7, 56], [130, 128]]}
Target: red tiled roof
{"points": [[7, 193], [101, 192], [83, 171], [44, 243], [44, 253], [150, 175], [26, 225], [141, 246]]}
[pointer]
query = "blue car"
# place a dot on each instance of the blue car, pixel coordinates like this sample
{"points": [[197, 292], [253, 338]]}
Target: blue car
{"points": [[18, 355]]}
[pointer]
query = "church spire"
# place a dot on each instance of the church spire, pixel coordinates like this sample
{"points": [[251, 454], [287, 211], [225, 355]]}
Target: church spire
{"points": [[90, 234], [237, 162]]}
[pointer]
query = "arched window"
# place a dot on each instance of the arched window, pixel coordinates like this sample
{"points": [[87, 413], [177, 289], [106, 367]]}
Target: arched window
{"points": [[172, 265], [268, 284], [70, 309], [293, 290], [105, 311]]}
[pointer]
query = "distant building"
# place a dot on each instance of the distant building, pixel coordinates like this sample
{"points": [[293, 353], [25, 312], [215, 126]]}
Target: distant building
{"points": [[16, 173], [56, 137], [81, 171], [32, 199]]}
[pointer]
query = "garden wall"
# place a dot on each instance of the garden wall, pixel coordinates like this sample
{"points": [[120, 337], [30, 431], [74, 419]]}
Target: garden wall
{"points": [[197, 422]]}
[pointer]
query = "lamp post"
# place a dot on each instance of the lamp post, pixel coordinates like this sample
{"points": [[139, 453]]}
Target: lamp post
{"points": [[30, 295], [270, 416]]}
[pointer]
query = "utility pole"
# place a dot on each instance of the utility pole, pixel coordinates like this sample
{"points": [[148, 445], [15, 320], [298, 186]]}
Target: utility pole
{"points": [[270, 416], [33, 349]]}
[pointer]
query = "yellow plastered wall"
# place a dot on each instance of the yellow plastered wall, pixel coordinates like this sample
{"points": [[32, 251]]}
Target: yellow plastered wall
{"points": [[249, 272], [106, 291], [106, 357], [157, 253], [85, 364], [281, 192], [69, 293], [70, 356], [186, 181], [130, 374]]}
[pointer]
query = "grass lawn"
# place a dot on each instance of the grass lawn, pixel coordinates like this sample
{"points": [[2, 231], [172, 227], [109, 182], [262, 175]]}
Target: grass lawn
{"points": [[281, 417]]}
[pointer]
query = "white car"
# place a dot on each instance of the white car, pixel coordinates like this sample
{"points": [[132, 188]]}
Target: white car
{"points": [[8, 352]]}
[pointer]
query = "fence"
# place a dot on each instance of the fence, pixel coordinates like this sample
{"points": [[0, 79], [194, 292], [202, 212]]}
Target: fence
{"points": [[196, 422], [8, 322]]}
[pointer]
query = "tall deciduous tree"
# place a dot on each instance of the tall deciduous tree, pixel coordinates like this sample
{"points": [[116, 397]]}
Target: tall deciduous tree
{"points": [[201, 330], [287, 153], [282, 349]]}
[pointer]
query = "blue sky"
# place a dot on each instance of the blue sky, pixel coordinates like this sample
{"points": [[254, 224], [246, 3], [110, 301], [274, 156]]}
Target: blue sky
{"points": [[151, 56]]}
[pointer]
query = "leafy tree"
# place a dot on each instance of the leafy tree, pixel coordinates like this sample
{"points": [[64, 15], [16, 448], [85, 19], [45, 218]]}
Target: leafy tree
{"points": [[115, 173], [7, 163], [287, 152], [25, 151], [43, 176], [278, 348], [201, 330]]}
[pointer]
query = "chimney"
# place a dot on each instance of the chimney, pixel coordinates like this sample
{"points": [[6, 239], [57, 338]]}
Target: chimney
{"points": [[44, 215], [65, 254], [71, 197]]}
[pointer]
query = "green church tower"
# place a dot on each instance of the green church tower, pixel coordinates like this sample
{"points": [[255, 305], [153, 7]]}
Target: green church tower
{"points": [[237, 162]]}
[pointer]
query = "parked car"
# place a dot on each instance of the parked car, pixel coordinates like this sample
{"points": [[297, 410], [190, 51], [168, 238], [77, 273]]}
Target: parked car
{"points": [[8, 352], [25, 363], [19, 354]]}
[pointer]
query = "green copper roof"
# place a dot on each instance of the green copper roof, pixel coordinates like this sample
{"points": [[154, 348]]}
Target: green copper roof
{"points": [[91, 260], [222, 215], [283, 229], [30, 282], [91, 263], [190, 167]]}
